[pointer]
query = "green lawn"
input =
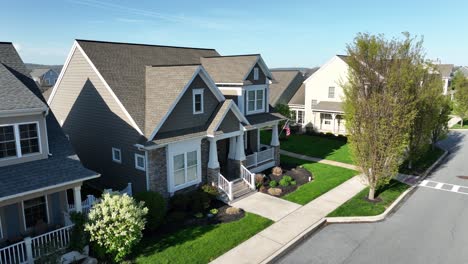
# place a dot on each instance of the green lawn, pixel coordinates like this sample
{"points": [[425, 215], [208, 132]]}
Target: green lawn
{"points": [[326, 177], [199, 244], [313, 146], [358, 206], [423, 163], [458, 126]]}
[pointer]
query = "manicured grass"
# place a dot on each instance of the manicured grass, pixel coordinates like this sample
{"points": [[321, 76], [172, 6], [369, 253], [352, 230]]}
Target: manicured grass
{"points": [[313, 146], [199, 244], [458, 125], [358, 206], [326, 177], [423, 163]]}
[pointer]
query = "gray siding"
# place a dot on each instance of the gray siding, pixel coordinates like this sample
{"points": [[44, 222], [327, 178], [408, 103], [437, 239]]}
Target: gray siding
{"points": [[261, 76], [42, 134], [252, 140], [95, 123], [182, 116], [230, 123]]}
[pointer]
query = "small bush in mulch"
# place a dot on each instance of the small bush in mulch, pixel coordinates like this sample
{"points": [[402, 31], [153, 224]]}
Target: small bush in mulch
{"points": [[288, 181]]}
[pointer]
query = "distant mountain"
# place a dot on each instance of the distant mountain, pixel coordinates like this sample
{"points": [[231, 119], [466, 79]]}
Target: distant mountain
{"points": [[32, 66]]}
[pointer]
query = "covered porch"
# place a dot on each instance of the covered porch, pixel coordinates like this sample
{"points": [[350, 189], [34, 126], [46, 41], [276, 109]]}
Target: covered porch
{"points": [[329, 122]]}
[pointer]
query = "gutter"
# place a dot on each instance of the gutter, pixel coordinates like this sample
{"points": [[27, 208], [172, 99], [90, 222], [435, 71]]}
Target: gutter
{"points": [[18, 112]]}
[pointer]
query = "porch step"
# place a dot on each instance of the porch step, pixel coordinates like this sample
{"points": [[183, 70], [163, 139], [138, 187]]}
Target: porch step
{"points": [[240, 189]]}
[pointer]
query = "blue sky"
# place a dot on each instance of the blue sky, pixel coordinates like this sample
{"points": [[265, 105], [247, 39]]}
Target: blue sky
{"points": [[286, 33]]}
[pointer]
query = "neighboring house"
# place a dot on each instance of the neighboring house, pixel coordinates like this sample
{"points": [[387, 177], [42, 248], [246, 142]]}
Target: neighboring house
{"points": [[446, 70], [37, 163], [166, 118], [285, 84], [297, 106], [45, 79]]}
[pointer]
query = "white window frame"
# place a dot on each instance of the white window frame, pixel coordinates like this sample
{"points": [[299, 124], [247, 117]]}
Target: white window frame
{"points": [[24, 215], [19, 154], [196, 92], [136, 162], [334, 91], [262, 109], [256, 73], [114, 159], [182, 148]]}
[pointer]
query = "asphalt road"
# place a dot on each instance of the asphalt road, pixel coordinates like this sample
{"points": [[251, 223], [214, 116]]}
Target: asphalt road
{"points": [[431, 226]]}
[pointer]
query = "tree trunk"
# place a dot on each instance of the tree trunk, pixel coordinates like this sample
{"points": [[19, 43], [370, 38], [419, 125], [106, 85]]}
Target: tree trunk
{"points": [[462, 123], [371, 193], [410, 164]]}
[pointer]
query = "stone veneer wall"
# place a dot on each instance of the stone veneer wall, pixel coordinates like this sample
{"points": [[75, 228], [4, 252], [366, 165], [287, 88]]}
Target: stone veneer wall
{"points": [[205, 155], [276, 155], [157, 173]]}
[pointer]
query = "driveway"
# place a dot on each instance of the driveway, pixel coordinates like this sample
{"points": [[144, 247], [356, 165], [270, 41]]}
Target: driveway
{"points": [[430, 227]]}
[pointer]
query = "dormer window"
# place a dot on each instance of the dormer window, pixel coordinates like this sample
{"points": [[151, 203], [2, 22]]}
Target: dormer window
{"points": [[255, 101], [256, 74], [197, 101], [18, 140]]}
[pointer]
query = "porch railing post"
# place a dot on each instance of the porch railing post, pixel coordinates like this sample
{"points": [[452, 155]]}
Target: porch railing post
{"points": [[256, 159], [230, 191], [252, 179], [29, 252]]}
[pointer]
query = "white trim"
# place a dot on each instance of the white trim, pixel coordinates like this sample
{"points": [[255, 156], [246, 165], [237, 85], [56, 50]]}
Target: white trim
{"points": [[195, 92], [219, 83], [209, 82], [19, 154], [335, 57], [238, 90], [182, 148], [120, 155], [22, 112], [1, 228], [24, 216], [138, 167], [255, 111], [106, 85], [227, 135]]}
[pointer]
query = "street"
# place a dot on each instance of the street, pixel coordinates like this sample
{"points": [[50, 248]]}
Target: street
{"points": [[431, 226]]}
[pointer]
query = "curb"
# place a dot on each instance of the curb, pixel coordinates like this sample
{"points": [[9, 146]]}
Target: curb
{"points": [[390, 209], [294, 242]]}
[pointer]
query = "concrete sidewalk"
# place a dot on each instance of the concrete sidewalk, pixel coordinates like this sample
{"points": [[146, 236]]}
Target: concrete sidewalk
{"points": [[277, 236], [319, 160]]}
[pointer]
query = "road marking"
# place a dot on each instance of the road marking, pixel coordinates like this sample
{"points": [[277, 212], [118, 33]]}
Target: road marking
{"points": [[455, 188], [439, 185], [423, 183]]}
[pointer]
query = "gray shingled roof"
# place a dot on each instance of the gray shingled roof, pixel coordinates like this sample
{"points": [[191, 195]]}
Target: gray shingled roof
{"points": [[445, 70], [15, 95], [299, 96], [286, 84], [329, 106], [163, 85], [264, 117], [37, 73], [229, 69], [123, 67]]}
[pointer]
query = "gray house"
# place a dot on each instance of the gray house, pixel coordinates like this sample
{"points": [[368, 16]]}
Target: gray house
{"points": [[37, 163], [167, 118], [44, 77]]}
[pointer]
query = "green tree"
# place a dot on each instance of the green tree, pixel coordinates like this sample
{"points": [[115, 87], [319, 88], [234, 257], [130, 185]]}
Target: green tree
{"points": [[380, 102], [441, 119], [460, 102]]}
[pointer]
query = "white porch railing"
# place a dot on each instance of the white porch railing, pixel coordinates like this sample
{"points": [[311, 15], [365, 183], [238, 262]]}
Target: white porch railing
{"points": [[225, 186], [257, 158], [31, 249], [248, 177]]}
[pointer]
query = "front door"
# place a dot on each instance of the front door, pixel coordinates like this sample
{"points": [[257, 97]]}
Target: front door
{"points": [[223, 151]]}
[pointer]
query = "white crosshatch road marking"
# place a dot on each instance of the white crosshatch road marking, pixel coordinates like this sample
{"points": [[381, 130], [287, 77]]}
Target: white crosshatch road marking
{"points": [[448, 186]]}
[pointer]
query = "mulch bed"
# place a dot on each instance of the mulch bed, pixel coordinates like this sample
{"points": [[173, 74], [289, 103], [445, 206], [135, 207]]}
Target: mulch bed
{"points": [[299, 174]]}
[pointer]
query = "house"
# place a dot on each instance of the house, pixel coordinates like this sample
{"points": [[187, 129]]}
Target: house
{"points": [[297, 106], [285, 85], [445, 71], [165, 118], [38, 166], [44, 77]]}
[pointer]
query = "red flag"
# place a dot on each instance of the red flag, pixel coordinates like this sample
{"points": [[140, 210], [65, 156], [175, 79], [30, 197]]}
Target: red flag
{"points": [[288, 130]]}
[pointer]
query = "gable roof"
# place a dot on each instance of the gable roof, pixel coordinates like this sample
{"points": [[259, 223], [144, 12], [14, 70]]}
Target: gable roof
{"points": [[445, 70], [221, 113], [231, 69], [123, 66], [329, 106], [37, 73], [299, 96], [286, 84]]}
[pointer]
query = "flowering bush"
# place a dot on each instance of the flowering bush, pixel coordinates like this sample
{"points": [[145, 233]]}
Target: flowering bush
{"points": [[116, 223]]}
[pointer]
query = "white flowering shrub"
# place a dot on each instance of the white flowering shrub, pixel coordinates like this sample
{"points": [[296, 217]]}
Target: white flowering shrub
{"points": [[116, 224]]}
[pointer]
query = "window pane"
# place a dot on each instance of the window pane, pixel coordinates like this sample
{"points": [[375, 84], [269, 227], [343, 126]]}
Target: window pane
{"points": [[192, 173], [251, 95], [179, 177], [7, 149], [293, 115], [191, 158], [179, 162], [29, 146], [28, 131], [198, 105], [7, 133], [259, 99], [300, 117], [331, 92], [35, 211], [140, 162]]}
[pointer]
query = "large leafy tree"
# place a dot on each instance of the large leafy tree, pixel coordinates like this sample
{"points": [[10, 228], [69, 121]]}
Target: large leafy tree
{"points": [[380, 103], [460, 104]]}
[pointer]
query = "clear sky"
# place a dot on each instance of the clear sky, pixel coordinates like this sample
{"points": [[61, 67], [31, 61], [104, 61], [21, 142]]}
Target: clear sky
{"points": [[287, 33]]}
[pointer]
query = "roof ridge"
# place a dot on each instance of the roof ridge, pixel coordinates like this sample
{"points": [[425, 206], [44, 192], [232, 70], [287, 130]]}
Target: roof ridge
{"points": [[239, 55], [139, 44], [176, 65], [6, 42]]}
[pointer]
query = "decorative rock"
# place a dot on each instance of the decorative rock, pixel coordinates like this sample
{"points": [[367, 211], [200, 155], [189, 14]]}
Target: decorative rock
{"points": [[277, 171], [275, 191], [233, 211]]}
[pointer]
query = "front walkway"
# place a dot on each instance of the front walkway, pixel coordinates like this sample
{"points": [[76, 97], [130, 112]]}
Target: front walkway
{"points": [[319, 160], [266, 205], [261, 246]]}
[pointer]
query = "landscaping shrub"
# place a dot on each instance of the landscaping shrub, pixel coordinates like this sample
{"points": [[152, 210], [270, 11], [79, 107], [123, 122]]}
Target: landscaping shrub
{"points": [[78, 238], [179, 202], [284, 183], [116, 224], [273, 183], [198, 201], [211, 190], [176, 217], [156, 208], [293, 183]]}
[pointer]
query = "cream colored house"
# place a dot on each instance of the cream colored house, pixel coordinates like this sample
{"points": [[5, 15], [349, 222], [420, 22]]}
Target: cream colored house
{"points": [[324, 94]]}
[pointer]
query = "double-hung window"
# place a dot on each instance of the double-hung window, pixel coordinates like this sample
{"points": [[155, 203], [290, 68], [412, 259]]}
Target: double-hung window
{"points": [[255, 101], [185, 168], [35, 211], [140, 162], [197, 101], [256, 74], [331, 92], [300, 117], [18, 140]]}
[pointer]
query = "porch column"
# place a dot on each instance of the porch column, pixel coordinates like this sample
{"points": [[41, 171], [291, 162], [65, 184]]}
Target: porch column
{"points": [[77, 198], [213, 160], [274, 136], [334, 123], [240, 151], [232, 148]]}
